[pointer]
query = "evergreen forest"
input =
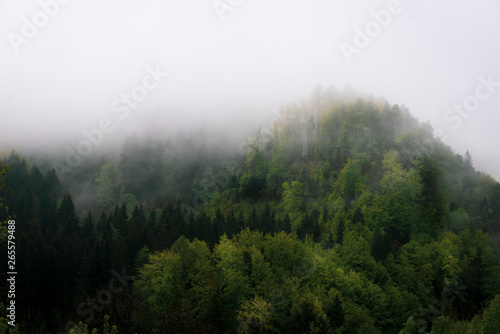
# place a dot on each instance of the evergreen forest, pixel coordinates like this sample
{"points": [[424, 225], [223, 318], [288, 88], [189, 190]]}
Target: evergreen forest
{"points": [[347, 215]]}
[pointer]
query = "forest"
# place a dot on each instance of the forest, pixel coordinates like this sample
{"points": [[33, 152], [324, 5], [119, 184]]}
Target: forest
{"points": [[348, 215]]}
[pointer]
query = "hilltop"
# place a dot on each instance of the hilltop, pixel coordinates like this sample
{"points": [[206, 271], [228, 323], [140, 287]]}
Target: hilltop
{"points": [[345, 215]]}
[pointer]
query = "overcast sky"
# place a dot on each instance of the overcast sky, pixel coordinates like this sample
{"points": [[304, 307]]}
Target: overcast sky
{"points": [[65, 71]]}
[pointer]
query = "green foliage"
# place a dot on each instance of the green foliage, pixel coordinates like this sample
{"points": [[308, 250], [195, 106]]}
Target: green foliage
{"points": [[256, 161], [255, 317], [433, 202], [350, 217], [356, 254], [351, 181], [307, 316], [293, 198], [160, 280], [82, 328], [277, 173], [129, 200], [487, 323], [179, 286], [253, 181], [106, 187], [398, 193], [458, 220], [491, 317], [141, 258]]}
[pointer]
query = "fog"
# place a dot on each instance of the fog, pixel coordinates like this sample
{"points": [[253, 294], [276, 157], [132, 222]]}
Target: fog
{"points": [[68, 66]]}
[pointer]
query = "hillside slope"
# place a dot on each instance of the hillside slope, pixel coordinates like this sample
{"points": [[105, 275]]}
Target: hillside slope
{"points": [[348, 216]]}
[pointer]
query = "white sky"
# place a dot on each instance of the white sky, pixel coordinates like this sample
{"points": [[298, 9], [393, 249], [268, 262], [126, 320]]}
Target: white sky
{"points": [[263, 55]]}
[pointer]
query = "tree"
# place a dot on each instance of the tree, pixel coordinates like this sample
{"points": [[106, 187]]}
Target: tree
{"points": [[351, 182], [307, 316], [469, 178], [356, 253], [141, 258], [180, 289], [334, 311], [232, 274], [399, 191], [433, 202], [378, 248], [256, 161], [468, 160], [293, 198], [491, 317], [277, 173], [255, 317], [107, 187], [129, 201], [135, 158], [82, 328]]}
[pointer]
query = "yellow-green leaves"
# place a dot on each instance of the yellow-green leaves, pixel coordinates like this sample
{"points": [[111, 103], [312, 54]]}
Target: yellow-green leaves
{"points": [[255, 315], [293, 196]]}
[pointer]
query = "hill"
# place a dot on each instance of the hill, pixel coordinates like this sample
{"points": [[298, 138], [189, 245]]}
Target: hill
{"points": [[347, 215]]}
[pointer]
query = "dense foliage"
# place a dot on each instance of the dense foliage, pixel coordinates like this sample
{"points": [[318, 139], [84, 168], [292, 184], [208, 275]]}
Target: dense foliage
{"points": [[348, 216]]}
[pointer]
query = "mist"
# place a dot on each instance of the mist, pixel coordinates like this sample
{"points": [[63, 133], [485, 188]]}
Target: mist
{"points": [[159, 68]]}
